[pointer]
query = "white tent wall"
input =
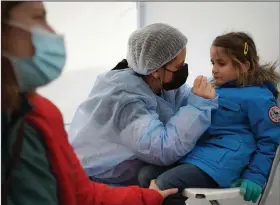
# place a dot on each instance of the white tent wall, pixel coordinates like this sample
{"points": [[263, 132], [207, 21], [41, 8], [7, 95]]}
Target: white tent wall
{"points": [[96, 35]]}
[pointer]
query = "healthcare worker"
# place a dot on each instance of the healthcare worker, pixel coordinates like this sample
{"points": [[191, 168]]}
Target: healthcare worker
{"points": [[38, 164], [239, 147], [143, 113]]}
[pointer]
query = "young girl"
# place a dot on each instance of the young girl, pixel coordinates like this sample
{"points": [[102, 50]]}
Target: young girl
{"points": [[239, 146]]}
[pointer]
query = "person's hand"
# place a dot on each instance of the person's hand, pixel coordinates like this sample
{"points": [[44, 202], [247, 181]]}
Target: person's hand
{"points": [[203, 88], [252, 191], [164, 193]]}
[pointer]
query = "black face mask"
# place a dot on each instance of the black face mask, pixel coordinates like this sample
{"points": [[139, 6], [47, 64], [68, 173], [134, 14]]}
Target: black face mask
{"points": [[179, 78]]}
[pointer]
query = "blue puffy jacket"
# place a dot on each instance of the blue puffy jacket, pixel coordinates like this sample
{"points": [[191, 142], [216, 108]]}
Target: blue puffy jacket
{"points": [[242, 138]]}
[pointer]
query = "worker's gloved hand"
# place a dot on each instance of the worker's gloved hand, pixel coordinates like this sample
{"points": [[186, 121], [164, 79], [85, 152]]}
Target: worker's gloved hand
{"points": [[252, 191]]}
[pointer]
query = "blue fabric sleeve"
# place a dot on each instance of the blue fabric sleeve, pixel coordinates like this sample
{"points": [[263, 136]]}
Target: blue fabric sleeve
{"points": [[267, 133]]}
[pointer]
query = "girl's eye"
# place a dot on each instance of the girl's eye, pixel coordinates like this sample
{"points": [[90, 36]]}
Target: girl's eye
{"points": [[221, 63]]}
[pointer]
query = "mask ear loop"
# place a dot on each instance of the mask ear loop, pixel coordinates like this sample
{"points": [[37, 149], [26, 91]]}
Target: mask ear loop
{"points": [[164, 67], [161, 86], [32, 28], [161, 82], [17, 25]]}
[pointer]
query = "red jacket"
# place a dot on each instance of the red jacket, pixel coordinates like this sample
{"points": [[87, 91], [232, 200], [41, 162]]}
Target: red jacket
{"points": [[74, 186]]}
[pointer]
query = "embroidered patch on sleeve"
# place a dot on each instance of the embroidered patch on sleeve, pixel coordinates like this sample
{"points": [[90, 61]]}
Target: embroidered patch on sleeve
{"points": [[274, 114]]}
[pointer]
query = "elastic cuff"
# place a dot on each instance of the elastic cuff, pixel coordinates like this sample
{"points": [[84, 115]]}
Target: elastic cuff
{"points": [[256, 178]]}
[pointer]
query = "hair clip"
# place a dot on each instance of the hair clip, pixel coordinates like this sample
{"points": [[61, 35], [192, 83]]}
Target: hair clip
{"points": [[246, 48]]}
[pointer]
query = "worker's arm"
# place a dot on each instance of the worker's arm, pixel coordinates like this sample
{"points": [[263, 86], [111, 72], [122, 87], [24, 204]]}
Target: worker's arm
{"points": [[163, 144]]}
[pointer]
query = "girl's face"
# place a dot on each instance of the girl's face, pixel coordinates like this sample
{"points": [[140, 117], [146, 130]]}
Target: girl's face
{"points": [[223, 70]]}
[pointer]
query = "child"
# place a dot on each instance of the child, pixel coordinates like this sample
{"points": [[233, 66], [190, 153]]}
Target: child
{"points": [[239, 146]]}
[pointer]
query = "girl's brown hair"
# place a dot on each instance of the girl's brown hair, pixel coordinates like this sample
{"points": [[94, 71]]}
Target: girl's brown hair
{"points": [[10, 99], [241, 48]]}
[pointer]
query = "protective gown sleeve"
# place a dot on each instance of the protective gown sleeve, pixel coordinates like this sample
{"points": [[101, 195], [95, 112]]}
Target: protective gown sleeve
{"points": [[163, 144]]}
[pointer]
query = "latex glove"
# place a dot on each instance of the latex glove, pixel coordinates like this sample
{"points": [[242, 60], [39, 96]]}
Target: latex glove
{"points": [[252, 191]]}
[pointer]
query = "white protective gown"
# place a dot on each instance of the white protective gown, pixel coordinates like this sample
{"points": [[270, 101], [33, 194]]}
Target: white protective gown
{"points": [[123, 124]]}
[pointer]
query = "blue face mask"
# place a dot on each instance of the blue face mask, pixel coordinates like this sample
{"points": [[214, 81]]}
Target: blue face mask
{"points": [[47, 63]]}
